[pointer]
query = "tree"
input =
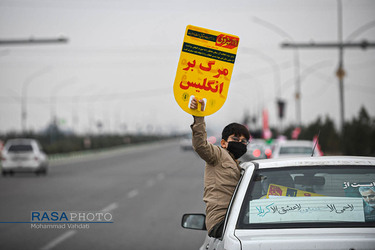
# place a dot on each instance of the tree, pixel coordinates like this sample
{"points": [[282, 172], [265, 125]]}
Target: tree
{"points": [[358, 136]]}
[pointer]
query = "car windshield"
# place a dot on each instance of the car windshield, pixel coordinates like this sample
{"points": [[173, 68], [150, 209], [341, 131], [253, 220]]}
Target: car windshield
{"points": [[18, 148], [300, 197], [295, 150]]}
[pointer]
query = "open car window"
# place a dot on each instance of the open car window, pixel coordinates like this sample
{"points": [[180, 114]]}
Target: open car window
{"points": [[310, 196]]}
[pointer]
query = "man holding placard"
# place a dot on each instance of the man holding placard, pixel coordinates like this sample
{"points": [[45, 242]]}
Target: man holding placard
{"points": [[200, 89], [222, 171]]}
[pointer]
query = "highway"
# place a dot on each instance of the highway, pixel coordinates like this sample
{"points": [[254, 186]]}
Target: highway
{"points": [[146, 188]]}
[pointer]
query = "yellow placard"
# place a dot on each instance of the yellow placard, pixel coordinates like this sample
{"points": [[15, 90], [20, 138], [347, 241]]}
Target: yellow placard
{"points": [[278, 190], [204, 69]]}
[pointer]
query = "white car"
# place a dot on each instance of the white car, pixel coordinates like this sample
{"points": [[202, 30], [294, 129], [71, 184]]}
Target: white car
{"points": [[299, 203], [295, 148], [23, 155]]}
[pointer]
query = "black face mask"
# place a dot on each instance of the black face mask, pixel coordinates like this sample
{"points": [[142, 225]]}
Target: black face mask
{"points": [[238, 149]]}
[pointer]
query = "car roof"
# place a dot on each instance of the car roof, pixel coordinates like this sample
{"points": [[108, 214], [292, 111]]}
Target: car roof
{"points": [[310, 161], [21, 140]]}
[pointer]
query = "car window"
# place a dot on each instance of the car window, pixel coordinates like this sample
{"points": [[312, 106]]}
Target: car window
{"points": [[295, 150], [20, 148], [299, 197]]}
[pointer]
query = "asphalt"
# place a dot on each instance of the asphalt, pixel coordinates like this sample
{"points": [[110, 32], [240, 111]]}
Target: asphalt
{"points": [[146, 189]]}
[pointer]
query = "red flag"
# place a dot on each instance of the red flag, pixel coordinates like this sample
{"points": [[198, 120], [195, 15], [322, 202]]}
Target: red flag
{"points": [[315, 140], [267, 134], [295, 133]]}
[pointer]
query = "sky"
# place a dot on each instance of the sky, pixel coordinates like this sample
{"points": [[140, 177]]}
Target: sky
{"points": [[120, 62]]}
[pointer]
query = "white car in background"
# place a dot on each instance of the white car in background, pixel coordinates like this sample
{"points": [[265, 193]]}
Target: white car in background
{"points": [[299, 203], [295, 148], [23, 155]]}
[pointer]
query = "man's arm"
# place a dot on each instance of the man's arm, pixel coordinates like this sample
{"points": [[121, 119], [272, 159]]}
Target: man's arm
{"points": [[207, 151]]}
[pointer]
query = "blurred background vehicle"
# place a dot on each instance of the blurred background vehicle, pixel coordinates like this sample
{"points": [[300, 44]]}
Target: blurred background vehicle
{"points": [[295, 148], [256, 150], [23, 155]]}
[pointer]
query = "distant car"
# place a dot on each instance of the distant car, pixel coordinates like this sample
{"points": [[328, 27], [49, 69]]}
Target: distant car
{"points": [[294, 148], [23, 155], [256, 150], [299, 203]]}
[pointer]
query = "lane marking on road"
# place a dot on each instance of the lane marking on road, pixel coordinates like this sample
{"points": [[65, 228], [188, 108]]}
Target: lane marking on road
{"points": [[110, 207], [152, 182], [70, 233], [59, 239], [133, 193]]}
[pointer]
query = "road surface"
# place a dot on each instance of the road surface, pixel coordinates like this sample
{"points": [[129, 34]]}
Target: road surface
{"points": [[145, 188]]}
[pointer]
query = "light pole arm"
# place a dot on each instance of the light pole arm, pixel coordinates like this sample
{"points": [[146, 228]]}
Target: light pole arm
{"points": [[328, 45], [33, 41]]}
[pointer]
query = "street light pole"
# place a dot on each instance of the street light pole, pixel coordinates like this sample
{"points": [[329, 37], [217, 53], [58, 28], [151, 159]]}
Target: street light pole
{"points": [[53, 95], [54, 124], [341, 46], [25, 85], [298, 87], [33, 41], [276, 73], [340, 71], [296, 60], [273, 64]]}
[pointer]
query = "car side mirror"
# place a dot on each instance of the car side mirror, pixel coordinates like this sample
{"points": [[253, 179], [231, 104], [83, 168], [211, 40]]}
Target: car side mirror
{"points": [[194, 221]]}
